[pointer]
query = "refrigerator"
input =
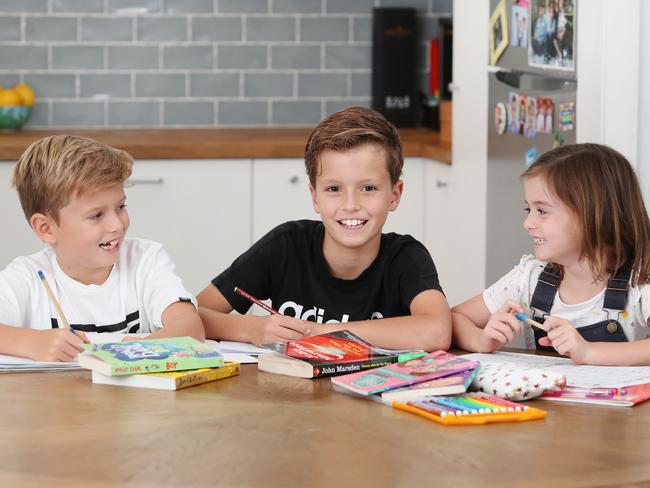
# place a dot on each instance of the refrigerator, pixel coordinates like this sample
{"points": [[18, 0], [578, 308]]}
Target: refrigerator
{"points": [[532, 94]]}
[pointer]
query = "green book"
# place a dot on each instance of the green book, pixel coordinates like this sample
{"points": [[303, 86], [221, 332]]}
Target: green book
{"points": [[149, 356]]}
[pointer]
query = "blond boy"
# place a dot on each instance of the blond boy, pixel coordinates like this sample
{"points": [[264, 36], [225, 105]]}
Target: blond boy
{"points": [[72, 193], [341, 272]]}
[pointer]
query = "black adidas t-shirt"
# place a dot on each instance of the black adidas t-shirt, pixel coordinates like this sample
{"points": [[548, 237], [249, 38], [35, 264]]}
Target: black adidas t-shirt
{"points": [[287, 265]]}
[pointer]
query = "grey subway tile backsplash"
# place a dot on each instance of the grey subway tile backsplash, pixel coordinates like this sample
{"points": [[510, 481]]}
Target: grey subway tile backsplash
{"points": [[243, 113], [296, 113], [78, 57], [159, 85], [107, 29], [189, 113], [271, 29], [9, 28], [77, 6], [23, 6], [51, 29], [187, 57], [216, 29], [348, 57], [52, 85], [268, 85], [214, 85], [188, 6], [23, 57], [298, 6], [129, 114], [243, 6], [105, 86], [78, 114], [133, 57], [322, 84], [242, 57], [195, 63], [324, 29], [163, 29], [295, 57]]}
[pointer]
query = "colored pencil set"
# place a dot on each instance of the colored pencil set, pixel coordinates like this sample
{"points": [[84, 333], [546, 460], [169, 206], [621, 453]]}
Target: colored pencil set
{"points": [[470, 408]]}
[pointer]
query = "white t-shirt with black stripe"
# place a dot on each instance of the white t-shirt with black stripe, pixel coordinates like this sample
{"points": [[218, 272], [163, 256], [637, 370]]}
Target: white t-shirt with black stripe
{"points": [[141, 285]]}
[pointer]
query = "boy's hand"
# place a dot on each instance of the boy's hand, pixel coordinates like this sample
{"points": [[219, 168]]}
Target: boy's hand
{"points": [[566, 340], [278, 327], [501, 328], [56, 345]]}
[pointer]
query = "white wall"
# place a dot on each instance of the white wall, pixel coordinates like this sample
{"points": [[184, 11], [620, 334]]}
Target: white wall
{"points": [[608, 46], [468, 191], [644, 103]]}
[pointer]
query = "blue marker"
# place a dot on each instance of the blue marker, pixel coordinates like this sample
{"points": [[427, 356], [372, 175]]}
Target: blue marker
{"points": [[54, 301], [525, 318]]}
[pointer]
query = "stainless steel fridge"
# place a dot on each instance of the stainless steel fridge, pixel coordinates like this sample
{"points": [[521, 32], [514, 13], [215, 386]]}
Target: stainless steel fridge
{"points": [[532, 94]]}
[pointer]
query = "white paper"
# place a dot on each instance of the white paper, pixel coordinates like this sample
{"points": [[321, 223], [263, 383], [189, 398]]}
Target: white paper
{"points": [[580, 376], [243, 347]]}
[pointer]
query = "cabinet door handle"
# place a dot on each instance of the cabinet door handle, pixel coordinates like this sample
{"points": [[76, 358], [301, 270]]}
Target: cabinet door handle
{"points": [[144, 181], [441, 184], [294, 179]]}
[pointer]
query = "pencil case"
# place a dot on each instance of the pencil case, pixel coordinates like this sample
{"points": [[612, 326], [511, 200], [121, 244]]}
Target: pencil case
{"points": [[470, 409]]}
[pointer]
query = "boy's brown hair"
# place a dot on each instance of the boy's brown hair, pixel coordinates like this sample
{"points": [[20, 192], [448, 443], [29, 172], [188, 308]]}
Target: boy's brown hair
{"points": [[56, 168], [350, 128], [600, 188]]}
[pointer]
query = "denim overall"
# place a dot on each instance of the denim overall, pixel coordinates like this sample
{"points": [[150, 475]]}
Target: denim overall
{"points": [[609, 330]]}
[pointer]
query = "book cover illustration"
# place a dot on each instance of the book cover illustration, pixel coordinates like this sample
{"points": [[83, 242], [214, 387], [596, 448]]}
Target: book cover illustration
{"points": [[447, 385], [435, 365], [328, 354], [149, 356]]}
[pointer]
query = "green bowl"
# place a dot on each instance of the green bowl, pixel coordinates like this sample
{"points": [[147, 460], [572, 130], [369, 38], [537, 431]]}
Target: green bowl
{"points": [[14, 117]]}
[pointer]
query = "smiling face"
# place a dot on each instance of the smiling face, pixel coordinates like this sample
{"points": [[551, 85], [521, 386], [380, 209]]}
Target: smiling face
{"points": [[89, 233], [552, 226], [353, 194]]}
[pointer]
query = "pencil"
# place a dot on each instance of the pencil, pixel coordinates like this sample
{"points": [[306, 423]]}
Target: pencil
{"points": [[254, 300], [525, 318], [54, 301]]}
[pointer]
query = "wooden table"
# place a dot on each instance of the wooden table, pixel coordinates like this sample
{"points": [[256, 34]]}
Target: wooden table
{"points": [[261, 429]]}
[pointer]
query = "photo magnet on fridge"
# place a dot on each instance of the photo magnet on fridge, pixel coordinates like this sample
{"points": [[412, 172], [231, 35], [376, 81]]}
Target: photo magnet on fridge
{"points": [[500, 118], [498, 32]]}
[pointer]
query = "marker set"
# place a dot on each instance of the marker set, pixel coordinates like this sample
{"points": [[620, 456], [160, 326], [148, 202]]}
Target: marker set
{"points": [[470, 408]]}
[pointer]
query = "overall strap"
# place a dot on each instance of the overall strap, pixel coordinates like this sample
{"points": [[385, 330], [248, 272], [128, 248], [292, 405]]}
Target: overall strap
{"points": [[617, 288], [545, 290]]}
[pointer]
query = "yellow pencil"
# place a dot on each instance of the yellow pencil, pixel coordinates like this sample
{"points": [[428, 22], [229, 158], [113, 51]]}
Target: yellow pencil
{"points": [[54, 301]]}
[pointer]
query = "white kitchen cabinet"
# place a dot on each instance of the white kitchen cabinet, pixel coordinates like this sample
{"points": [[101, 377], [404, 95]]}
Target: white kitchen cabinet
{"points": [[281, 193], [18, 238], [200, 210], [441, 219]]}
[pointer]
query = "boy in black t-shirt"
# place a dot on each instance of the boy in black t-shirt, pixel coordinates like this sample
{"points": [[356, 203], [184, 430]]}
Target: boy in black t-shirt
{"points": [[342, 272]]}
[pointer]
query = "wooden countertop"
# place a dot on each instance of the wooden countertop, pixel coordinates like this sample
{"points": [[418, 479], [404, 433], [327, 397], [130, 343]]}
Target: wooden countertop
{"points": [[215, 143]]}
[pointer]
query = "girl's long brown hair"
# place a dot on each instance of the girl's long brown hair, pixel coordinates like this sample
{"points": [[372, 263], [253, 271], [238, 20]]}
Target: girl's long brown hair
{"points": [[600, 187]]}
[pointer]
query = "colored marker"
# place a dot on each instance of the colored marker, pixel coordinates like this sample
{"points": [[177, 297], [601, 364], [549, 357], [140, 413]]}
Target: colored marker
{"points": [[495, 408], [482, 406], [525, 318], [508, 404], [54, 301]]}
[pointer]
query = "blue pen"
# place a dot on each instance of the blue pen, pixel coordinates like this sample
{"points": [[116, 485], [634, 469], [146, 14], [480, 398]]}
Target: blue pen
{"points": [[54, 301], [525, 318]]}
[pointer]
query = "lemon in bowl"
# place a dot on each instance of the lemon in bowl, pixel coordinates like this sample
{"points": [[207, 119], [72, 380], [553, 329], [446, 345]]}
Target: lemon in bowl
{"points": [[15, 106]]}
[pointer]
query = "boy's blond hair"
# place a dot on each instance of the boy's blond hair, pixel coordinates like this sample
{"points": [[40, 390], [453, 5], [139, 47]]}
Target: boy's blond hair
{"points": [[56, 168]]}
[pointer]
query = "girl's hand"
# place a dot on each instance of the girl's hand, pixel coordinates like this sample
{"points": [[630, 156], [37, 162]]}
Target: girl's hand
{"points": [[501, 328], [566, 340]]}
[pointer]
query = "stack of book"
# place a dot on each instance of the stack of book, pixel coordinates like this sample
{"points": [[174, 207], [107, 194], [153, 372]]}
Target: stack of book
{"points": [[438, 373], [164, 364]]}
